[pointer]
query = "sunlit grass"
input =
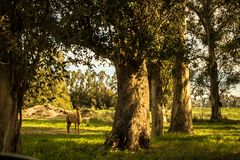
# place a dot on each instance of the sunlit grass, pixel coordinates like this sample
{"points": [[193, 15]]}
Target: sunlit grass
{"points": [[205, 113], [47, 139]]}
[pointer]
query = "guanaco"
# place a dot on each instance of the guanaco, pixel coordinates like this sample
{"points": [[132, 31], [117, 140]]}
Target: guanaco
{"points": [[75, 118]]}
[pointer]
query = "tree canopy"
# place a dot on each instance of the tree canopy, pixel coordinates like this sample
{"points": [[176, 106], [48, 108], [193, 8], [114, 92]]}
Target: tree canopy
{"points": [[223, 19]]}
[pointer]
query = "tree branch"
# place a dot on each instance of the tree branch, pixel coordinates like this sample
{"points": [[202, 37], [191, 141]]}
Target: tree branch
{"points": [[4, 63], [199, 57]]}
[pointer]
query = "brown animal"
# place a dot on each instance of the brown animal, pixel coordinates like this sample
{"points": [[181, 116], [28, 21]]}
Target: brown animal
{"points": [[75, 118]]}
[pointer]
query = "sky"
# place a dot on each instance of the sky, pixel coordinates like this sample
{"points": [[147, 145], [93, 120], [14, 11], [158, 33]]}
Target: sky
{"points": [[110, 70], [236, 92], [98, 66]]}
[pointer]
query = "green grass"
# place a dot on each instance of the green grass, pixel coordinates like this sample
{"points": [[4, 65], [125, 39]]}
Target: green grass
{"points": [[202, 112], [47, 139]]}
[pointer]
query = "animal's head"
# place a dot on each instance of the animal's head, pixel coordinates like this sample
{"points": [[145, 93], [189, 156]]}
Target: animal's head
{"points": [[78, 109]]}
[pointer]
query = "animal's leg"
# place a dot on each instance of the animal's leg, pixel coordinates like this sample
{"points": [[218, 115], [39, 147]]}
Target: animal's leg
{"points": [[68, 126], [78, 126]]}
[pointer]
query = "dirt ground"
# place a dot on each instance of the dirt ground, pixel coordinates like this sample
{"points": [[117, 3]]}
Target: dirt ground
{"points": [[44, 112], [41, 131]]}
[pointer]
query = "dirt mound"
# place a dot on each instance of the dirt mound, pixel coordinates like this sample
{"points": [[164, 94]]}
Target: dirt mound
{"points": [[44, 111]]}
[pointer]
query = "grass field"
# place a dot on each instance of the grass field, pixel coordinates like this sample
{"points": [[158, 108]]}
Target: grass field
{"points": [[48, 140]]}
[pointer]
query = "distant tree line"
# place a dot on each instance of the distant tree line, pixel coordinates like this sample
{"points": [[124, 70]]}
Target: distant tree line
{"points": [[85, 89], [226, 100], [91, 89], [230, 101]]}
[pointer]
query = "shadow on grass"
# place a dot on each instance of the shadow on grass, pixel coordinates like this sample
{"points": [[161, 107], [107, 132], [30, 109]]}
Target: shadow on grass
{"points": [[192, 150], [61, 146], [223, 124], [92, 122], [89, 147], [205, 131], [39, 121], [182, 137], [59, 131], [219, 122], [232, 156], [100, 122]]}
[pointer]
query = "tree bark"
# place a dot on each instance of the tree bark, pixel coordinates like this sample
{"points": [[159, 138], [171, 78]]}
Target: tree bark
{"points": [[156, 100], [9, 127], [181, 116], [214, 83], [131, 128]]}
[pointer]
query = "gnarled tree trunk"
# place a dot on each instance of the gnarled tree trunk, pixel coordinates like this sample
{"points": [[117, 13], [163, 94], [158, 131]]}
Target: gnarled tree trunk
{"points": [[9, 127], [155, 100], [131, 128], [181, 118]]}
